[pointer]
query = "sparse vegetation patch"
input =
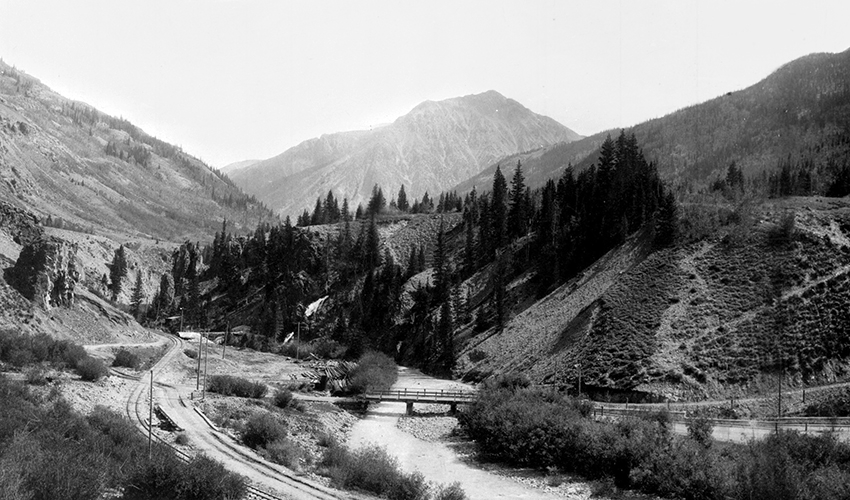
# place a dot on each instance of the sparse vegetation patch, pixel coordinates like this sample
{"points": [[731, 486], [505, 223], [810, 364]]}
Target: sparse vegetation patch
{"points": [[228, 385]]}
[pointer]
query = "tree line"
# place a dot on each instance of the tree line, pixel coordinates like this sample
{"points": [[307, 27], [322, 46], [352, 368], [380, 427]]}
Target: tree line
{"points": [[328, 209]]}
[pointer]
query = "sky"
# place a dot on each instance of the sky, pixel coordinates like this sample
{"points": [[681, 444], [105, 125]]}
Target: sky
{"points": [[231, 80]]}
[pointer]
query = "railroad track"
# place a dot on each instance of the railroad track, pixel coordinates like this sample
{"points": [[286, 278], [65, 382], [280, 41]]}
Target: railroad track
{"points": [[137, 411]]}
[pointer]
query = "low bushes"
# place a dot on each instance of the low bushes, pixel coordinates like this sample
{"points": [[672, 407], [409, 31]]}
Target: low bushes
{"points": [[532, 427], [228, 385], [372, 470], [375, 371], [284, 452], [166, 477], [261, 429], [126, 359], [91, 369], [283, 398], [266, 433], [20, 350], [48, 450]]}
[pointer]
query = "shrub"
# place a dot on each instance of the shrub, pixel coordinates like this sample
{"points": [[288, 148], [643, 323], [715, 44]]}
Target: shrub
{"points": [[126, 359], [374, 372], [512, 381], [372, 470], [785, 231], [19, 349], [69, 353], [450, 492], [228, 385], [329, 349], [283, 398], [166, 477], [477, 355], [261, 429], [91, 369], [36, 375], [182, 439], [293, 348], [191, 353], [285, 452], [699, 429]]}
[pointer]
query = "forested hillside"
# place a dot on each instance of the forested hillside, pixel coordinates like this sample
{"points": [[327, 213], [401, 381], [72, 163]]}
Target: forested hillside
{"points": [[799, 116]]}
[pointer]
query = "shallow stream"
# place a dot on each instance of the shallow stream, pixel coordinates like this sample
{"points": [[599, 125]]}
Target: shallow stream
{"points": [[435, 460]]}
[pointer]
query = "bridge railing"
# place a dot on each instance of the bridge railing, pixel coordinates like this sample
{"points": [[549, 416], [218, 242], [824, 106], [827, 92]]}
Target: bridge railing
{"points": [[411, 394], [681, 416]]}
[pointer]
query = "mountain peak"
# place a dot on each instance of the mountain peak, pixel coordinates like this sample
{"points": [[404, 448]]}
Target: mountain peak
{"points": [[430, 149]]}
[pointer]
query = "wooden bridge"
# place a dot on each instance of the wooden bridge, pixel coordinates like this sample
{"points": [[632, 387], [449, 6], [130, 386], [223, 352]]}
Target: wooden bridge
{"points": [[411, 396]]}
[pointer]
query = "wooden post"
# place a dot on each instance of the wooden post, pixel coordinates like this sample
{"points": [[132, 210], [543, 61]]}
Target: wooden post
{"points": [[206, 365], [150, 422], [226, 335], [410, 407], [198, 377]]}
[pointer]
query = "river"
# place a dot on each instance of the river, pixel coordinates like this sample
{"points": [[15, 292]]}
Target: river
{"points": [[435, 460]]}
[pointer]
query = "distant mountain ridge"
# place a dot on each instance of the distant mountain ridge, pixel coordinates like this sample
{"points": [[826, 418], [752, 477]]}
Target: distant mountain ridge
{"points": [[799, 112], [431, 148]]}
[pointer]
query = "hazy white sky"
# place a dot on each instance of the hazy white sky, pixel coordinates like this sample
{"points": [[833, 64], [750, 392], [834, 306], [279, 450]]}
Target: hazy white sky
{"points": [[236, 79]]}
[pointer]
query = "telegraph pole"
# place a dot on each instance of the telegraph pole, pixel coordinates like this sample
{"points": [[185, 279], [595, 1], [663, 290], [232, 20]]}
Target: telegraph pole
{"points": [[150, 421], [206, 365], [298, 344], [226, 335], [200, 353]]}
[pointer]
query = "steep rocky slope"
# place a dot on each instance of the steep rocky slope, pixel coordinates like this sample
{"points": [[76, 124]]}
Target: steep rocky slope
{"points": [[725, 313], [800, 112], [432, 148], [77, 168]]}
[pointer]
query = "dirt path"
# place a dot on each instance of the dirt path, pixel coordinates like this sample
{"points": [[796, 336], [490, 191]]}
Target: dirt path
{"points": [[435, 460]]}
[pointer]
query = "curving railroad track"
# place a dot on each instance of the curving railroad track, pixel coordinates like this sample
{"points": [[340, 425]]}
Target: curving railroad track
{"points": [[267, 481]]}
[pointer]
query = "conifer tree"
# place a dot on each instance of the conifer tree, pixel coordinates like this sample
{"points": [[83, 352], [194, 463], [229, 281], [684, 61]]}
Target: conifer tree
{"points": [[498, 209], [117, 271], [469, 248], [441, 282], [377, 203], [402, 202], [372, 255], [138, 295], [517, 216], [445, 340]]}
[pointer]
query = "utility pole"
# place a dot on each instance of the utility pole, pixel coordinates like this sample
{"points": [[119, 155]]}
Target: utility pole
{"points": [[206, 365], [181, 319], [150, 421], [226, 335], [298, 344], [200, 353]]}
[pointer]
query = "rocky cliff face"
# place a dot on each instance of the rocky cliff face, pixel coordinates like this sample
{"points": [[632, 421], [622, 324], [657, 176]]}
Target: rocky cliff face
{"points": [[21, 225], [47, 272], [432, 148]]}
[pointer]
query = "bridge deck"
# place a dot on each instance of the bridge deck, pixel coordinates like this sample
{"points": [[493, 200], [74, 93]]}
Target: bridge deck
{"points": [[422, 396]]}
